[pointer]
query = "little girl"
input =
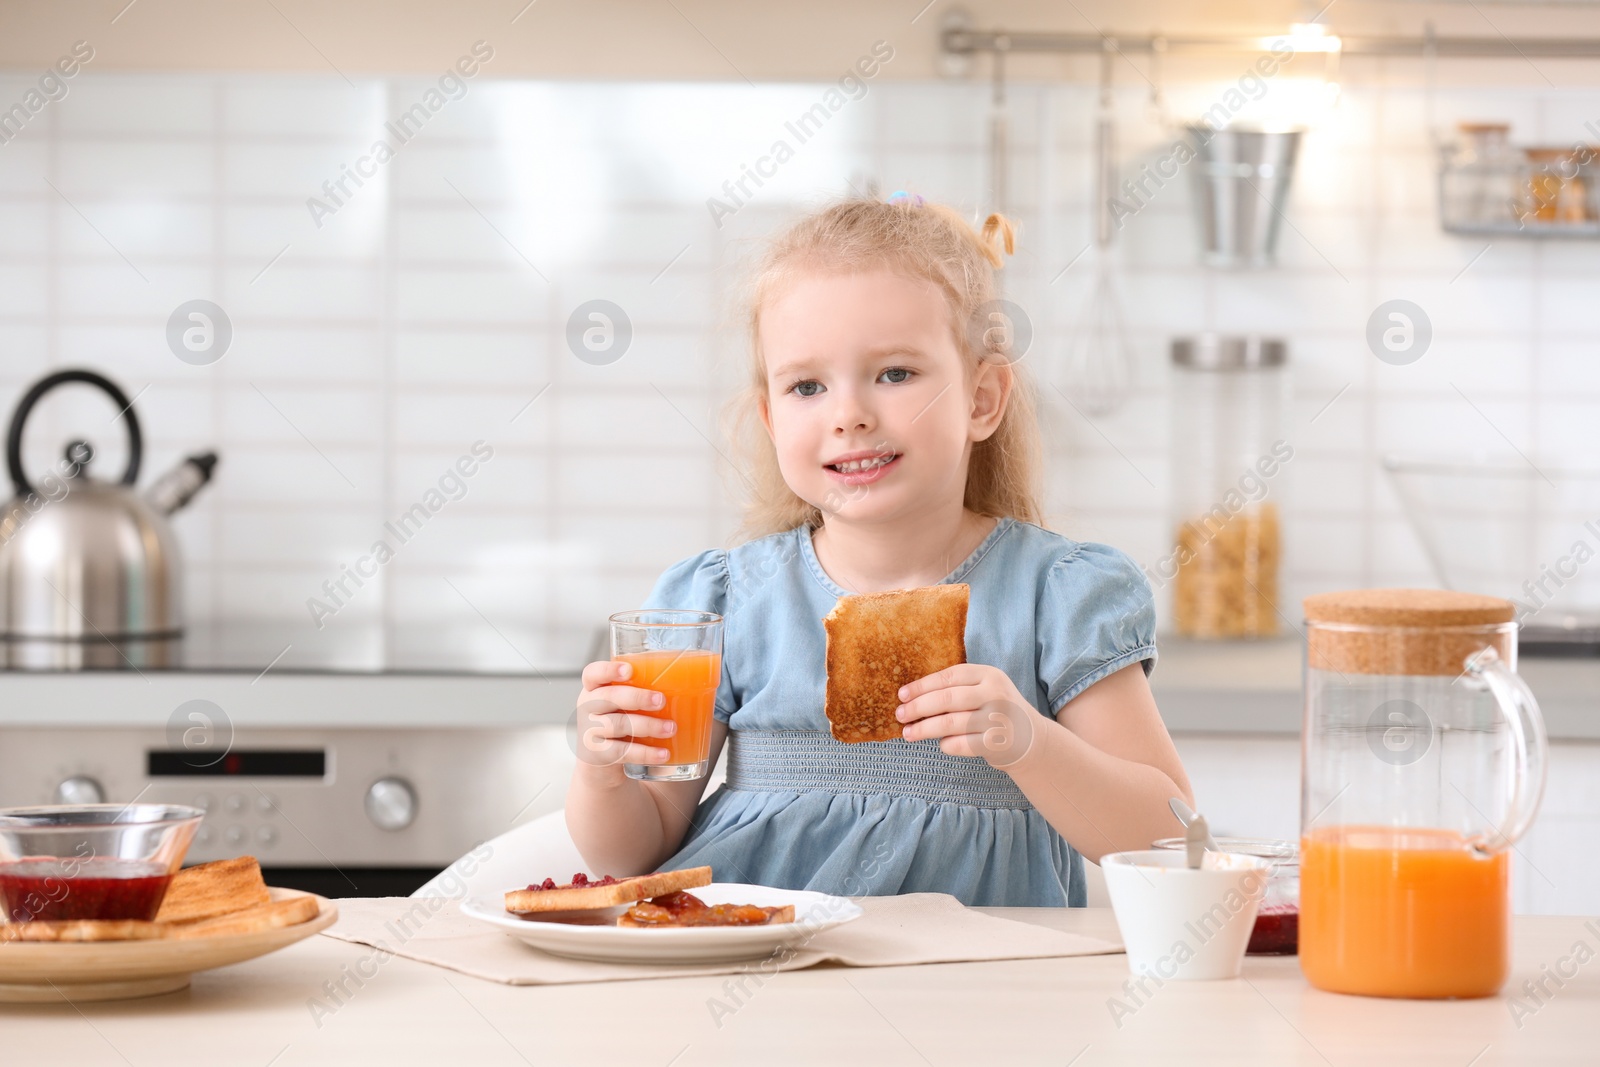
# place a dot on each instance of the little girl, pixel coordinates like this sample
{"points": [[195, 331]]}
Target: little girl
{"points": [[897, 447]]}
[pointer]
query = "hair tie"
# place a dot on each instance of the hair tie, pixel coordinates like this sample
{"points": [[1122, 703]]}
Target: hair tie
{"points": [[900, 196]]}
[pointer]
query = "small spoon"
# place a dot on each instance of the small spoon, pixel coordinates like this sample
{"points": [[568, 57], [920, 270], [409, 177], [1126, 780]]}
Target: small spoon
{"points": [[1197, 833], [1195, 837]]}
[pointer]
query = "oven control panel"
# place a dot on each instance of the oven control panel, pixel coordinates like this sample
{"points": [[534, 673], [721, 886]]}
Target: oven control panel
{"points": [[305, 797]]}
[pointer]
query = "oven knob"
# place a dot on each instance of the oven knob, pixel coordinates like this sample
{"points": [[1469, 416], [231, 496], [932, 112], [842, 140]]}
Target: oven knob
{"points": [[80, 789], [391, 803]]}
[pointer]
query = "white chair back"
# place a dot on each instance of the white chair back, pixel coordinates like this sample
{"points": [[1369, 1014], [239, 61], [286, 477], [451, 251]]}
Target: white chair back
{"points": [[538, 849]]}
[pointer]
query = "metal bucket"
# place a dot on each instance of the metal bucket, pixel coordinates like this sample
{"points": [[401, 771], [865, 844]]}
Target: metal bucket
{"points": [[1241, 180]]}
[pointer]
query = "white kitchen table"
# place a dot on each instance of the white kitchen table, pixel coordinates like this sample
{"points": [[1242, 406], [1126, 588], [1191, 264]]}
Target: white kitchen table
{"points": [[1052, 1011]]}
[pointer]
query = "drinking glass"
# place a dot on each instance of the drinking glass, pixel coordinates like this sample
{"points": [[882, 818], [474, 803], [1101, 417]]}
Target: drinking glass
{"points": [[677, 653]]}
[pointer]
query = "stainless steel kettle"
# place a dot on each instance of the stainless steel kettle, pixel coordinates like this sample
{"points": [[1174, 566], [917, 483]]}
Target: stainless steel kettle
{"points": [[90, 568]]}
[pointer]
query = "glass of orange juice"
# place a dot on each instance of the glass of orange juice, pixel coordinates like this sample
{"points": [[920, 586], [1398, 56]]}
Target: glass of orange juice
{"points": [[677, 653]]}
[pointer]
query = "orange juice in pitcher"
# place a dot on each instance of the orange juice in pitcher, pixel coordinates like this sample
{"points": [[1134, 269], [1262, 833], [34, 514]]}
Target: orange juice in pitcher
{"points": [[1404, 913]]}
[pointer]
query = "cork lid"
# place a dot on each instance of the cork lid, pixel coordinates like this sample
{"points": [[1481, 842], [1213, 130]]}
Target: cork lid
{"points": [[1404, 631], [1408, 607]]}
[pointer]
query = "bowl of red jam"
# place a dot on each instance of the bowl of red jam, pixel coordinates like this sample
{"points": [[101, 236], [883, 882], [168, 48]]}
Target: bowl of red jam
{"points": [[1277, 929], [91, 861]]}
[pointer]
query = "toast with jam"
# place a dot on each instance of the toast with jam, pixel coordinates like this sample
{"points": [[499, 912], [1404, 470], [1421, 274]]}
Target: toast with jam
{"points": [[686, 909], [583, 894]]}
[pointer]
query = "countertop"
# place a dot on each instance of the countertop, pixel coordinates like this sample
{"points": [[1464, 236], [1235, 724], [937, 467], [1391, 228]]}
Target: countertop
{"points": [[1202, 687], [1255, 687], [1016, 1013]]}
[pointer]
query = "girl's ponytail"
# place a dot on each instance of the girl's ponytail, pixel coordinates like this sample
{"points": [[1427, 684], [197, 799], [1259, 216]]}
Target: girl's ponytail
{"points": [[996, 240], [993, 226]]}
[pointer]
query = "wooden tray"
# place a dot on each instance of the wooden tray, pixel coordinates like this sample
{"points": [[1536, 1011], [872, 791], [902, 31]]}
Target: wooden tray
{"points": [[33, 972]]}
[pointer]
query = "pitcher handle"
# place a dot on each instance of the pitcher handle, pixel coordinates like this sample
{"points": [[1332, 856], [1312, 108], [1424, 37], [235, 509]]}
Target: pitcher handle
{"points": [[1528, 743]]}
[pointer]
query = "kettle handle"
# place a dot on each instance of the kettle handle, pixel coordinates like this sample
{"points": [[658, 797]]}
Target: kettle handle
{"points": [[19, 479]]}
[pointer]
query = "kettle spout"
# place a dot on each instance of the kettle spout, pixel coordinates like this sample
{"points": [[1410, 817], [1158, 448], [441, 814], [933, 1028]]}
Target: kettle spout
{"points": [[178, 486]]}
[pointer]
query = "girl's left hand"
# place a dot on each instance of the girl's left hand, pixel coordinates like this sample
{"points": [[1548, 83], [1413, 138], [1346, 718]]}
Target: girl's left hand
{"points": [[974, 709]]}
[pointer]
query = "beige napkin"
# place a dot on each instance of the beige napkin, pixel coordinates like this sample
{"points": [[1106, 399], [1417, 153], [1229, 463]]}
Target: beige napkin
{"points": [[894, 932]]}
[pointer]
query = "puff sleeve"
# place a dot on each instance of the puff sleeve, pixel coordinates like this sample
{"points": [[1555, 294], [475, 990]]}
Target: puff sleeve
{"points": [[1096, 615], [700, 583]]}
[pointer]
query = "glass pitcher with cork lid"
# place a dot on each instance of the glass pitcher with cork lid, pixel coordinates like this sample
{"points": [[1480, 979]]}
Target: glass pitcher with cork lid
{"points": [[1423, 761]]}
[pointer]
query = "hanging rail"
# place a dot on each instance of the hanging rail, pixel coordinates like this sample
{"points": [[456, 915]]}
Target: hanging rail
{"points": [[969, 42]]}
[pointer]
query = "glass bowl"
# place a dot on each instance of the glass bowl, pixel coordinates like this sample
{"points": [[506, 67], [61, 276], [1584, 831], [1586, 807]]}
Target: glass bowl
{"points": [[1277, 929], [90, 861]]}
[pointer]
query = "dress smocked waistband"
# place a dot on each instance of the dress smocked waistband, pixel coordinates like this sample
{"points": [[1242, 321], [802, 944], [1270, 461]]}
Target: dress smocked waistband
{"points": [[795, 761]]}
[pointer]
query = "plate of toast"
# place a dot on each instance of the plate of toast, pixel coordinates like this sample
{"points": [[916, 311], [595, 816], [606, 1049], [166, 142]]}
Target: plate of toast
{"points": [[668, 917], [213, 914]]}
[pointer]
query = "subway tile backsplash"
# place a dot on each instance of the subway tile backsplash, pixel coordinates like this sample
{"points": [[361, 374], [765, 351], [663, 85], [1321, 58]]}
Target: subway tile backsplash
{"points": [[430, 311]]}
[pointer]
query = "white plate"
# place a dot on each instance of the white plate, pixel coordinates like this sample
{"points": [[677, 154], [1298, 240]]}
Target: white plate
{"points": [[813, 913]]}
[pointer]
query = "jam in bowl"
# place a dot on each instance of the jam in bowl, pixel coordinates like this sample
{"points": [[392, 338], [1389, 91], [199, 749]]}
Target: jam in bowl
{"points": [[90, 861]]}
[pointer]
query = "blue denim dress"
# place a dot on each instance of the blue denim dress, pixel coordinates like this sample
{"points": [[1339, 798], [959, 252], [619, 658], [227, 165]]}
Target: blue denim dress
{"points": [[803, 811]]}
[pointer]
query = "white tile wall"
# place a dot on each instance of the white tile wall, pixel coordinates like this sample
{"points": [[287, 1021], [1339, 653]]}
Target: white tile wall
{"points": [[372, 351]]}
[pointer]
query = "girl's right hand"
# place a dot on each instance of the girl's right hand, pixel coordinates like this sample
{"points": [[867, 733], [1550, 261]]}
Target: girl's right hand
{"points": [[607, 735]]}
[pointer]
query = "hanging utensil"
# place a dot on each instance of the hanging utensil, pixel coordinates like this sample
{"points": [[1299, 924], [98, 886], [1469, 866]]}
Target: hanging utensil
{"points": [[1157, 106], [999, 133], [1099, 359]]}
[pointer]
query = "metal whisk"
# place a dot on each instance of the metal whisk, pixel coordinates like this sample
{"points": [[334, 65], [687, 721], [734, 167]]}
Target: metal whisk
{"points": [[1100, 361]]}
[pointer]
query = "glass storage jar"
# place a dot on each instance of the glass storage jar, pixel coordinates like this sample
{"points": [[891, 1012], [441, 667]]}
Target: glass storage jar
{"points": [[1482, 176], [1229, 396], [1556, 180]]}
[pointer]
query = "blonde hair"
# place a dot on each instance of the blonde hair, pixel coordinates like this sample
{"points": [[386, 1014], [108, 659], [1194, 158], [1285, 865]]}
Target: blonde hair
{"points": [[925, 241]]}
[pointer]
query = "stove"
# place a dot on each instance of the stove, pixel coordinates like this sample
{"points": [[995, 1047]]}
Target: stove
{"points": [[357, 761], [1569, 636]]}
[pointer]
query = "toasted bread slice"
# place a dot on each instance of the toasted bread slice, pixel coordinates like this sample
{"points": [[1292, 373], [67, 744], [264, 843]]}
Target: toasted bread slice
{"points": [[784, 914], [212, 889], [82, 930], [877, 642], [623, 891], [286, 912]]}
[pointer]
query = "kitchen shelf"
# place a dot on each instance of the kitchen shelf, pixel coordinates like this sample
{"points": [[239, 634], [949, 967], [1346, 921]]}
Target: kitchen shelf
{"points": [[1456, 181], [1537, 230]]}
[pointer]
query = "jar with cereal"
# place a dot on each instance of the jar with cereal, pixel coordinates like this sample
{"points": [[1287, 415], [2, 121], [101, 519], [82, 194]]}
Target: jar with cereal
{"points": [[1229, 451]]}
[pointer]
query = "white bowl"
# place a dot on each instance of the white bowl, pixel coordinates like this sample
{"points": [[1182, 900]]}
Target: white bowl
{"points": [[1181, 924]]}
